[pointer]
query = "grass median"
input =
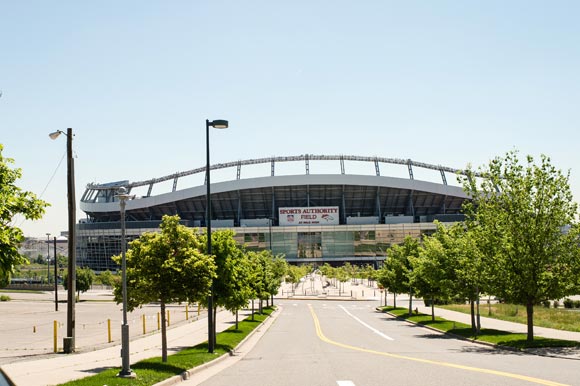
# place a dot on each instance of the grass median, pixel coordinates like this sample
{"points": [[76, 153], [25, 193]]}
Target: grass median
{"points": [[498, 337], [557, 318], [153, 370]]}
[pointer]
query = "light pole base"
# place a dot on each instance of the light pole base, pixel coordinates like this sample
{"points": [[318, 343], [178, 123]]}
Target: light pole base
{"points": [[126, 371], [129, 374], [68, 344]]}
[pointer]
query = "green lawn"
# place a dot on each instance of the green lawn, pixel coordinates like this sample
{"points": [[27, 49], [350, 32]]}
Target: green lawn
{"points": [[151, 371], [498, 337], [558, 318]]}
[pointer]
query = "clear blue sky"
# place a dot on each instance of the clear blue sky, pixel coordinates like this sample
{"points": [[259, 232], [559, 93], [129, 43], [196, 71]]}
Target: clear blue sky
{"points": [[442, 82]]}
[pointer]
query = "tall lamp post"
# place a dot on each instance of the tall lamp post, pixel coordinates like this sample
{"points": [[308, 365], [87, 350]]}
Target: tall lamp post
{"points": [[69, 340], [48, 258], [126, 369], [270, 219], [55, 278], [211, 335]]}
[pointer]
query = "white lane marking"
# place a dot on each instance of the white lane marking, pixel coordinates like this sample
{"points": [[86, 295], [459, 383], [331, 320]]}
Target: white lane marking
{"points": [[345, 383], [366, 325]]}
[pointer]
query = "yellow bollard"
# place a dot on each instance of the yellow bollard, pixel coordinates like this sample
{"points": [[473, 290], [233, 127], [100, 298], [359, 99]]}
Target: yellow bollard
{"points": [[109, 330], [198, 308], [168, 319], [55, 331], [144, 326], [186, 312], [158, 322]]}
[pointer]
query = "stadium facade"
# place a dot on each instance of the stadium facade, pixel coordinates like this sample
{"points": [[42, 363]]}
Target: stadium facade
{"points": [[310, 218]]}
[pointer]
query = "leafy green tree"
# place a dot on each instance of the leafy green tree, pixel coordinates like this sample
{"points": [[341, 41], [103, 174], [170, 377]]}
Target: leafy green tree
{"points": [[84, 280], [166, 267], [265, 276], [395, 273], [526, 212], [108, 278], [14, 202], [342, 274], [240, 291], [228, 257], [470, 269], [433, 273], [256, 278], [369, 273], [279, 266], [293, 275]]}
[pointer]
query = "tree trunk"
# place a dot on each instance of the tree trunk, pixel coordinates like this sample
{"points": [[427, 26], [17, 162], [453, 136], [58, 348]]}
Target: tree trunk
{"points": [[432, 309], [472, 307], [253, 310], [163, 334], [477, 312], [394, 300], [236, 319], [530, 312], [272, 299], [410, 302]]}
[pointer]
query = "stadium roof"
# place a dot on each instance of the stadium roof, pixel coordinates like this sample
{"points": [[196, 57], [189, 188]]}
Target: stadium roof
{"points": [[260, 197]]}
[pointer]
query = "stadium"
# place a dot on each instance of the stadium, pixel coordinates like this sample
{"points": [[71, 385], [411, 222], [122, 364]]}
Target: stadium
{"points": [[313, 218]]}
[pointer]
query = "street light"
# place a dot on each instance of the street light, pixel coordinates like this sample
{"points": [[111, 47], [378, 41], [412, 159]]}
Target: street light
{"points": [[211, 335], [270, 219], [55, 278], [48, 258], [126, 370], [69, 340]]}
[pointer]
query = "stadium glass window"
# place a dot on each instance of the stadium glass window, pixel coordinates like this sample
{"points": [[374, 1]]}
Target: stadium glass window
{"points": [[309, 245]]}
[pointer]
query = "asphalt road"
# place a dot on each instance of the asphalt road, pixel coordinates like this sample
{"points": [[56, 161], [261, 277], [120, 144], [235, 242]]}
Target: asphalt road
{"points": [[337, 343]]}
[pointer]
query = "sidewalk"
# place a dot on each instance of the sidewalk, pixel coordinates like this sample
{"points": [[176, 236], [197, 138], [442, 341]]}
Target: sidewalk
{"points": [[63, 368]]}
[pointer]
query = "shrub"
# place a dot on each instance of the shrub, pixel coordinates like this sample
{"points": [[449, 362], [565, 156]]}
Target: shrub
{"points": [[576, 303], [546, 303], [568, 303], [556, 304], [4, 298]]}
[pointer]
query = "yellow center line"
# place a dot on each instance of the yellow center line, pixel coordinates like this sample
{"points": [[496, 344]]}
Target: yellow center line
{"points": [[437, 363]]}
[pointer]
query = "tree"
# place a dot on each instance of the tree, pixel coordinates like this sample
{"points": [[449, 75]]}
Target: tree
{"points": [[395, 273], [342, 274], [471, 271], [166, 267], [433, 273], [228, 257], [14, 202], [279, 267], [108, 278], [527, 222], [293, 275], [84, 280]]}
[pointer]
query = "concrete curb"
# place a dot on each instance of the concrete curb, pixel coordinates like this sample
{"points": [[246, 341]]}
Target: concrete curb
{"points": [[186, 375]]}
